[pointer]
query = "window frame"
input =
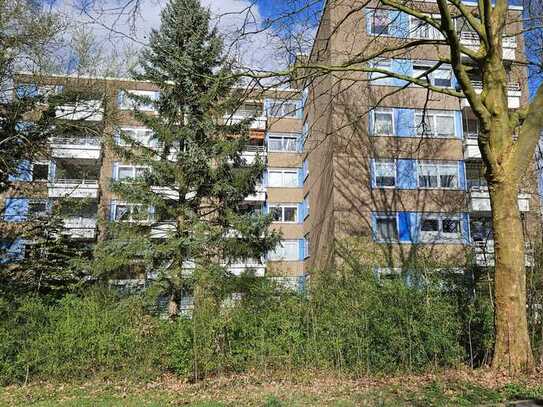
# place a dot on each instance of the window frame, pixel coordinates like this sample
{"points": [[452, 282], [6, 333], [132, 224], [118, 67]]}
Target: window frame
{"points": [[392, 217], [133, 168], [371, 15], [433, 33], [431, 76], [433, 114], [395, 172], [283, 138], [283, 207], [130, 207], [277, 108], [440, 236], [378, 78], [383, 110], [283, 172], [282, 246], [439, 165]]}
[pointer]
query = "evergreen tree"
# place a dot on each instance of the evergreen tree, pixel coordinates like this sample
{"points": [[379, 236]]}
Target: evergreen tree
{"points": [[195, 180]]}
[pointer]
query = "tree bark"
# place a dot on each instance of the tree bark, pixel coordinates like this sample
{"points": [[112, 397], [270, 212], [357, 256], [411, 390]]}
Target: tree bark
{"points": [[512, 349]]}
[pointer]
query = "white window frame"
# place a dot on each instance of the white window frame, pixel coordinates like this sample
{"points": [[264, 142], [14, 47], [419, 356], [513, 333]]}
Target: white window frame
{"points": [[138, 139], [380, 161], [278, 108], [283, 172], [371, 16], [281, 254], [440, 171], [416, 24], [283, 138], [382, 110], [440, 235], [284, 206], [307, 246], [432, 76], [133, 168], [306, 204], [431, 116], [393, 217], [129, 104], [130, 207], [378, 78]]}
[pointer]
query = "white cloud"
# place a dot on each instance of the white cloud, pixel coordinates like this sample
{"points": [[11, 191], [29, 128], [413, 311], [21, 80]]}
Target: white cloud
{"points": [[120, 31]]}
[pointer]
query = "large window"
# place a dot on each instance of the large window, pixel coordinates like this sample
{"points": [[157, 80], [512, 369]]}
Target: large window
{"points": [[127, 102], [438, 175], [383, 122], [131, 213], [287, 213], [287, 250], [130, 172], [40, 171], [283, 143], [421, 29], [441, 77], [137, 136], [385, 173], [37, 208], [386, 229], [283, 178], [434, 227], [379, 78], [283, 108], [435, 123], [379, 22]]}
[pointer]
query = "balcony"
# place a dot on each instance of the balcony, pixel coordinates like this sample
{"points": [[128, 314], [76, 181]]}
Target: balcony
{"points": [[471, 40], [471, 147], [514, 92], [484, 254], [479, 199], [89, 110], [258, 123], [76, 147], [80, 227], [259, 195], [251, 151], [73, 188], [257, 267], [162, 230]]}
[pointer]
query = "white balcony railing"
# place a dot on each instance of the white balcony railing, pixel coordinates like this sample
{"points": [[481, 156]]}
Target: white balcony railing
{"points": [[259, 195], [80, 227], [258, 123], [485, 253], [472, 41], [480, 199], [91, 110], [76, 147], [73, 188], [514, 92]]}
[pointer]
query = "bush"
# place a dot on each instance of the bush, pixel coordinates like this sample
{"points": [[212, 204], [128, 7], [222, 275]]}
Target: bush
{"points": [[78, 337]]}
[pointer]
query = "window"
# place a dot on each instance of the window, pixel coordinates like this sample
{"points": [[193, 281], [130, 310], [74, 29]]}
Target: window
{"points": [[306, 206], [379, 22], [440, 77], [247, 110], [37, 208], [284, 213], [40, 172], [307, 247], [421, 29], [385, 173], [283, 143], [283, 178], [283, 108], [131, 213], [378, 78], [287, 250], [435, 123], [435, 227], [127, 102], [438, 175], [386, 228], [141, 136], [130, 172], [383, 122]]}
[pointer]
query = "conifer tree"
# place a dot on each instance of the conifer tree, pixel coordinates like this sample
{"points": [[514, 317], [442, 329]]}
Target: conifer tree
{"points": [[195, 180]]}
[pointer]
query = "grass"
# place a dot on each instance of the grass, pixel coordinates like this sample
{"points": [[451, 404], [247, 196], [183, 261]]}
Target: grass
{"points": [[456, 388]]}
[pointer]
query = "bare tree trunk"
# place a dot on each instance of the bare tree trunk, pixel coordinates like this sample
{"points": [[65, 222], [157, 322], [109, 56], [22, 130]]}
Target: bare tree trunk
{"points": [[512, 348]]}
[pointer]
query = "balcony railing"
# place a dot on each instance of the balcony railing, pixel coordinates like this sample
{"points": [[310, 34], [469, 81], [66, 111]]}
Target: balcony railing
{"points": [[485, 253], [75, 188], [75, 141], [511, 86], [255, 149]]}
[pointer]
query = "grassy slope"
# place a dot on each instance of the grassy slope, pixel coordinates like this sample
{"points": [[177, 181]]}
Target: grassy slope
{"points": [[443, 389]]}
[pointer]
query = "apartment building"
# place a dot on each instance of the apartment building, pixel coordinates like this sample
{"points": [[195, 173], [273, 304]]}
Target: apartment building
{"points": [[80, 166], [395, 171]]}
